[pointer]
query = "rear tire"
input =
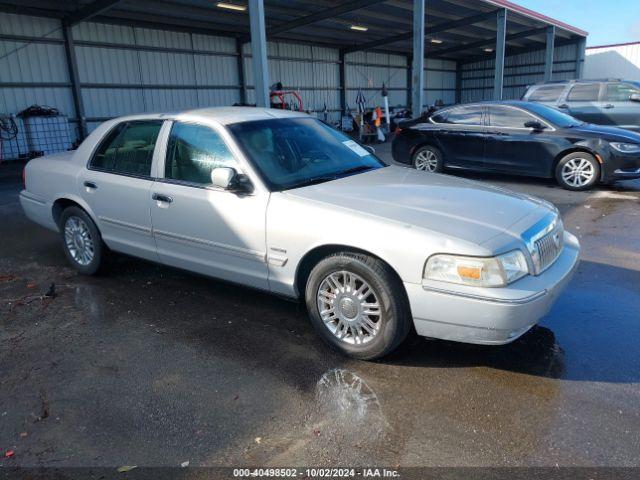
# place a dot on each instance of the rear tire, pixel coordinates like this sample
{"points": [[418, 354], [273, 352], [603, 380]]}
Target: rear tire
{"points": [[578, 171], [81, 241], [428, 159], [357, 305]]}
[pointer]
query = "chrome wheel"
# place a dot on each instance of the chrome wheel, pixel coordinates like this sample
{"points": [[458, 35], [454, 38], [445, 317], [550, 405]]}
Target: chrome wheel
{"points": [[427, 161], [349, 307], [77, 237], [578, 172]]}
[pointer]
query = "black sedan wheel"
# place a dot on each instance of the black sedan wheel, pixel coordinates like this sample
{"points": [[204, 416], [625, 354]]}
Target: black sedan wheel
{"points": [[578, 171], [428, 159]]}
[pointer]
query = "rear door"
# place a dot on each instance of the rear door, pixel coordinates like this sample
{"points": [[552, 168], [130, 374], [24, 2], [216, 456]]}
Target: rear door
{"points": [[117, 185], [583, 102], [512, 147], [461, 136], [617, 108]]}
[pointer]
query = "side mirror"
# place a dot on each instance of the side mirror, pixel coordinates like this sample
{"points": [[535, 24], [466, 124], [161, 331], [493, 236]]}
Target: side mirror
{"points": [[227, 178], [223, 177], [536, 126], [635, 97]]}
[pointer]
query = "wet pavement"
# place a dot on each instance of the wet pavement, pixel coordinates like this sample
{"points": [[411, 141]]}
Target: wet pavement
{"points": [[148, 365]]}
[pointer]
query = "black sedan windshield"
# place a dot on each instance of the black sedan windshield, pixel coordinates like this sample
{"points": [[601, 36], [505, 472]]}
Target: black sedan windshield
{"points": [[556, 117], [294, 152]]}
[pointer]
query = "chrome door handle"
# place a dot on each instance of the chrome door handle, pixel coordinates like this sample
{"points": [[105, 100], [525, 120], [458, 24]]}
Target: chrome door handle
{"points": [[564, 105], [162, 198], [90, 185], [608, 105]]}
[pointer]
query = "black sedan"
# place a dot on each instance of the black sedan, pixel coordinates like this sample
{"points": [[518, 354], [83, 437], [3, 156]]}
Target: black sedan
{"points": [[519, 138]]}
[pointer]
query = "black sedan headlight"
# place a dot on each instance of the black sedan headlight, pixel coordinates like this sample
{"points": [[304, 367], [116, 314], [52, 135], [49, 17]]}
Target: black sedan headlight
{"points": [[626, 147]]}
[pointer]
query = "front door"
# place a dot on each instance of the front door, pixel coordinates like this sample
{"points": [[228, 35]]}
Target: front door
{"points": [[200, 228], [461, 136], [512, 147], [582, 102], [618, 109], [117, 185]]}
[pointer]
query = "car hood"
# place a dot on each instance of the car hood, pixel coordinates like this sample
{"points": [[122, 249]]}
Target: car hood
{"points": [[460, 208], [611, 134]]}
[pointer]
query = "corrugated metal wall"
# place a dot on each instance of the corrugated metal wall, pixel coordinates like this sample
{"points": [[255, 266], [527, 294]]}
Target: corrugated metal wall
{"points": [[31, 73], [124, 70], [312, 71], [621, 61], [519, 72]]}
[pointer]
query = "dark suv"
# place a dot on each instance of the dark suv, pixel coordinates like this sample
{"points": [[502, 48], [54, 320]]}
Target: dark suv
{"points": [[604, 102]]}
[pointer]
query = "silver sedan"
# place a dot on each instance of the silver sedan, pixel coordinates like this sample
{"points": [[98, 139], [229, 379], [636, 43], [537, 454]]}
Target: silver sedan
{"points": [[278, 201]]}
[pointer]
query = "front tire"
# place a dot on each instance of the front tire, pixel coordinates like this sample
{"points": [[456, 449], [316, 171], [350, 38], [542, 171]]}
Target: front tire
{"points": [[81, 241], [358, 305], [578, 171], [428, 159]]}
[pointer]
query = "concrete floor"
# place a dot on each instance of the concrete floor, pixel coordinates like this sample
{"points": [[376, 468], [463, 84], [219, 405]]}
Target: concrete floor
{"points": [[148, 365]]}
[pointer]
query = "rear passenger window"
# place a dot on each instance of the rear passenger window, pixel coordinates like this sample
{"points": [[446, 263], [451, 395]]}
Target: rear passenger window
{"points": [[584, 92], [465, 116], [546, 93], [619, 92], [128, 148], [193, 151]]}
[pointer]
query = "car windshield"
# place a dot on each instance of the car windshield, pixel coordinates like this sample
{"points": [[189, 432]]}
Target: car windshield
{"points": [[553, 116], [295, 152]]}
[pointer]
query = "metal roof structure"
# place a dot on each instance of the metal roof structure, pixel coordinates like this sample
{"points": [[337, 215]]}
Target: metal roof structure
{"points": [[459, 30]]}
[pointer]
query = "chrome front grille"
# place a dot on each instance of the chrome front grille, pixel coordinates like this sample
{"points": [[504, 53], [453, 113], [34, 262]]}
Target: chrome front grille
{"points": [[548, 248]]}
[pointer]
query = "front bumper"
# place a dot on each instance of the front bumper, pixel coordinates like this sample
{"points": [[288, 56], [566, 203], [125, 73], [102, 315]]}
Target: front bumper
{"points": [[621, 166], [491, 316]]}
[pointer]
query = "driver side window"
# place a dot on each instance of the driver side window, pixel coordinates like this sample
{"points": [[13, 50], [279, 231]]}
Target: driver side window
{"points": [[193, 151]]}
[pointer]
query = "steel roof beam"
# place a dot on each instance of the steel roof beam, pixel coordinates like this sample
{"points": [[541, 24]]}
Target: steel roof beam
{"points": [[321, 15], [489, 41], [442, 27], [89, 11]]}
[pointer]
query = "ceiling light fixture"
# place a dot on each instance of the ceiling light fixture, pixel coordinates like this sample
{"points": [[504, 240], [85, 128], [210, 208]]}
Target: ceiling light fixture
{"points": [[359, 28], [436, 40], [488, 50], [231, 6]]}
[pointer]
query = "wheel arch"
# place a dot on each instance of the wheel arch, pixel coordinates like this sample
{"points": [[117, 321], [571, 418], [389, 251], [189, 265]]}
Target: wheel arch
{"points": [[575, 149], [61, 203], [426, 142], [313, 256]]}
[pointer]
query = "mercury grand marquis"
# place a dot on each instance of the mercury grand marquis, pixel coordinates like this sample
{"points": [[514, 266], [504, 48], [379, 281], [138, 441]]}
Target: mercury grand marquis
{"points": [[279, 201]]}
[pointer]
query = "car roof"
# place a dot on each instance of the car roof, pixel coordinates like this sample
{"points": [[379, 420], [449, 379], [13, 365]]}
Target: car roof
{"points": [[513, 103], [580, 80], [222, 115]]}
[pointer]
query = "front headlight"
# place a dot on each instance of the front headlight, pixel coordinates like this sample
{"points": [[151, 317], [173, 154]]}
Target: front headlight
{"points": [[626, 147], [478, 271]]}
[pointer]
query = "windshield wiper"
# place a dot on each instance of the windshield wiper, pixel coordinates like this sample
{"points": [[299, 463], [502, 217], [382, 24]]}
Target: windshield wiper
{"points": [[335, 176], [359, 168]]}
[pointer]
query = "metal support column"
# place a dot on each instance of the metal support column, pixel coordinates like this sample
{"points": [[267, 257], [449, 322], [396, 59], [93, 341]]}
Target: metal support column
{"points": [[417, 70], [72, 68], [458, 82], [408, 92], [500, 48], [548, 57], [581, 45], [259, 52], [343, 82], [241, 76]]}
